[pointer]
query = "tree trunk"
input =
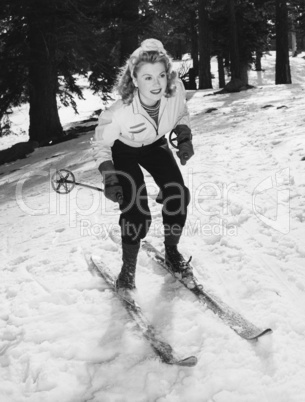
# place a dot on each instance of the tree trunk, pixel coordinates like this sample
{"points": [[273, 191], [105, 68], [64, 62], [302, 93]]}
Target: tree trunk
{"points": [[44, 119], [221, 72], [244, 73], [238, 69], [234, 50], [129, 32], [205, 80], [294, 48], [194, 52], [282, 66], [258, 60]]}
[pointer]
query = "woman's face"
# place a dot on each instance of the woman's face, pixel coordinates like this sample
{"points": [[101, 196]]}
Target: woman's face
{"points": [[151, 81]]}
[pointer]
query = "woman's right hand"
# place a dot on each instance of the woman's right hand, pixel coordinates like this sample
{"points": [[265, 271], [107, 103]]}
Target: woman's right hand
{"points": [[112, 188], [114, 192]]}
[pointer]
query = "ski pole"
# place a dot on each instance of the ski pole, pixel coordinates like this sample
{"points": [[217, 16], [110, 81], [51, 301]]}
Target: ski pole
{"points": [[63, 181]]}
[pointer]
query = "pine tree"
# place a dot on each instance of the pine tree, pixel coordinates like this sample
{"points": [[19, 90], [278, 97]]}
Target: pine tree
{"points": [[129, 26], [282, 65], [240, 30], [205, 80], [42, 42], [42, 73]]}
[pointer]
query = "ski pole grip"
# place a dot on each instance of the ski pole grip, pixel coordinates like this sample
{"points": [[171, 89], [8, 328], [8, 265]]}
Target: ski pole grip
{"points": [[119, 197]]}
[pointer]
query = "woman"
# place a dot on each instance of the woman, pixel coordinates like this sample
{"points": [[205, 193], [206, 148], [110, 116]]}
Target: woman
{"points": [[130, 135]]}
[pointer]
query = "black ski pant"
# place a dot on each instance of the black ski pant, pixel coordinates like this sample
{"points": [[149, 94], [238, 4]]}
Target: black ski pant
{"points": [[158, 160]]}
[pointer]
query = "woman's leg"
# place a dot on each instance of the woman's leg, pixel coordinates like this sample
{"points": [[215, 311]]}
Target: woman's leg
{"points": [[135, 216], [161, 164]]}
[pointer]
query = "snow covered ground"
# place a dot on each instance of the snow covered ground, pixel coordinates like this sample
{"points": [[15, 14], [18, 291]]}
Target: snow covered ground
{"points": [[64, 337]]}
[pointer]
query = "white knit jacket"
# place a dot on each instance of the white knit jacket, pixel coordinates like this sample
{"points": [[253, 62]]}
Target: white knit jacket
{"points": [[132, 125]]}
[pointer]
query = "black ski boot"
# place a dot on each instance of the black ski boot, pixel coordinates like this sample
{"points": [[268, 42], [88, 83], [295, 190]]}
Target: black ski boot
{"points": [[177, 264], [126, 279]]}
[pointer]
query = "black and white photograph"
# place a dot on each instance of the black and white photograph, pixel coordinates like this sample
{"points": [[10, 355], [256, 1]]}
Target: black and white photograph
{"points": [[152, 201]]}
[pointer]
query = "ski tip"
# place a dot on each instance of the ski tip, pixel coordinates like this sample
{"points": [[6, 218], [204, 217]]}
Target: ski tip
{"points": [[256, 337], [266, 331], [96, 259], [190, 361]]}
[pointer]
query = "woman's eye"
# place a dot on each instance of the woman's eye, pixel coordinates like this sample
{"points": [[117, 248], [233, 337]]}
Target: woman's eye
{"points": [[163, 75]]}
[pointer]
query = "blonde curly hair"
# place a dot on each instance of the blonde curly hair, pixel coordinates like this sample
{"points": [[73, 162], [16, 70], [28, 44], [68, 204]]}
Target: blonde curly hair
{"points": [[125, 85]]}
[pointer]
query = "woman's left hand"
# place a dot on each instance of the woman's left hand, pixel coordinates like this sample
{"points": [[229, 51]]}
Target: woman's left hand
{"points": [[186, 151]]}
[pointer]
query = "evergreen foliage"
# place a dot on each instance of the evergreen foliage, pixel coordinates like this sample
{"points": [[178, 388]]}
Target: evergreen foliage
{"points": [[45, 45], [83, 37]]}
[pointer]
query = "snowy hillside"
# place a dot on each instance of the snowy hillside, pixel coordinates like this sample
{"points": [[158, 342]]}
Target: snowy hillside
{"points": [[65, 337]]}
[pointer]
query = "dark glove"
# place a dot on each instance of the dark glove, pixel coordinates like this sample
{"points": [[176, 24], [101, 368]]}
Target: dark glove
{"points": [[185, 146], [185, 152], [114, 193], [112, 188]]}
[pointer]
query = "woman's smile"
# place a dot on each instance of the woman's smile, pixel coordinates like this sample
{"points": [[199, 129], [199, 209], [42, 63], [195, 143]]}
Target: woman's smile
{"points": [[156, 91]]}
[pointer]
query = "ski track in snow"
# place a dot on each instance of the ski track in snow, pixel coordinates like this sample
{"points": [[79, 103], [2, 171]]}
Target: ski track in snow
{"points": [[64, 336]]}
